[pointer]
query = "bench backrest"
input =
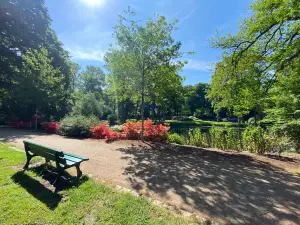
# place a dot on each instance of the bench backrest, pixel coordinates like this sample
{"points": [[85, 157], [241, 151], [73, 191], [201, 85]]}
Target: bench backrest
{"points": [[48, 153]]}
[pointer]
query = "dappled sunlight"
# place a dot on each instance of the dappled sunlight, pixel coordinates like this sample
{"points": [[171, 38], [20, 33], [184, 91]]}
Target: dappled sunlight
{"points": [[230, 188]]}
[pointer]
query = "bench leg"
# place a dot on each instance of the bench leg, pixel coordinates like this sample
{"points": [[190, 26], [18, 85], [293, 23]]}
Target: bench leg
{"points": [[59, 172], [79, 172], [28, 158]]}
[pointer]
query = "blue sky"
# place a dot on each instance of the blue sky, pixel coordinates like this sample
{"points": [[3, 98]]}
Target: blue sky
{"points": [[85, 27]]}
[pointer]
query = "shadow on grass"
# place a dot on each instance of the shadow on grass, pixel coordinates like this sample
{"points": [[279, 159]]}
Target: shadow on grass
{"points": [[43, 190], [37, 190]]}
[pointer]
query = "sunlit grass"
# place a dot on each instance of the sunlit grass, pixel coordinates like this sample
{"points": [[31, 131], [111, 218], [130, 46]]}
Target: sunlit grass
{"points": [[25, 200]]}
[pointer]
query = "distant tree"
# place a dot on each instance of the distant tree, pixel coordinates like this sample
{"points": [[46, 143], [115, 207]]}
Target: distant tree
{"points": [[196, 102], [91, 80], [88, 106]]}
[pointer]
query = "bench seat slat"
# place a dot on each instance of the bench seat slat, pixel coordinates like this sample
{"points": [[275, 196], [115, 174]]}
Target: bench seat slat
{"points": [[75, 156], [73, 159]]}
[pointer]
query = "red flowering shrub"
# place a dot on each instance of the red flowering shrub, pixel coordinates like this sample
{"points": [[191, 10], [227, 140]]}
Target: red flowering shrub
{"points": [[131, 131], [152, 132], [155, 132], [50, 127], [102, 131]]}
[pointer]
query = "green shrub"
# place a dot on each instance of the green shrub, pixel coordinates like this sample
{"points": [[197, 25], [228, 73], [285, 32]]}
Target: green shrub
{"points": [[77, 126], [278, 143], [225, 138], [196, 138], [88, 106], [112, 118], [255, 140], [292, 130], [175, 138], [217, 137]]}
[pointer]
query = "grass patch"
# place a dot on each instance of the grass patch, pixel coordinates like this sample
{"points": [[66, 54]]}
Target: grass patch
{"points": [[26, 200]]}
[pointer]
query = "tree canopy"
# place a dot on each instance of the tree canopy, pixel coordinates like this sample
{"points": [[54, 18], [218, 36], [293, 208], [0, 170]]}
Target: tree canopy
{"points": [[260, 61]]}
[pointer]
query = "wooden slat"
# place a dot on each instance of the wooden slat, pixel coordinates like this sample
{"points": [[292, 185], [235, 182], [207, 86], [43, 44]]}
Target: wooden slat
{"points": [[76, 156]]}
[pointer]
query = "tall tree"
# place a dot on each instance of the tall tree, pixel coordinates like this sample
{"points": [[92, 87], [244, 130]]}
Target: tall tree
{"points": [[147, 47], [25, 27]]}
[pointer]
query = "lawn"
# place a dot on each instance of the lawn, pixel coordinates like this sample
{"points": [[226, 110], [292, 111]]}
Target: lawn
{"points": [[27, 198]]}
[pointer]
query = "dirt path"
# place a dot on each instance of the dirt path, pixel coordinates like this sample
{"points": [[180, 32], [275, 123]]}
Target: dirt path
{"points": [[230, 188]]}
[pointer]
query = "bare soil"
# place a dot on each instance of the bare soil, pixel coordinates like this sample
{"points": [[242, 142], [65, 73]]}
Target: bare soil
{"points": [[229, 187]]}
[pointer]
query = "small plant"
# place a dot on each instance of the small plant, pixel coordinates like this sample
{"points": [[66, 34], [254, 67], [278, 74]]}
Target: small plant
{"points": [[175, 138]]}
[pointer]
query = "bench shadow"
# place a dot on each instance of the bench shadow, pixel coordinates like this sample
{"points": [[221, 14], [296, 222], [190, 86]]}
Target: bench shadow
{"points": [[37, 190], [43, 190], [231, 188]]}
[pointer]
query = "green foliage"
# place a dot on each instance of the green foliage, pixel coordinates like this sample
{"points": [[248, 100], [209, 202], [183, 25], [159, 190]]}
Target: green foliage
{"points": [[91, 80], [145, 62], [196, 101], [292, 130], [196, 138], [255, 140], [88, 106], [35, 72], [77, 126], [112, 118], [175, 138], [260, 66]]}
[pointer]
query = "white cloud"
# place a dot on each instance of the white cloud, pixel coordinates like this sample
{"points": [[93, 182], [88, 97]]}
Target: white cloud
{"points": [[200, 65], [86, 53]]}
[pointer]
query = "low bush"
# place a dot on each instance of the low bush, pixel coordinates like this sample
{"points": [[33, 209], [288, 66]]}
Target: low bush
{"points": [[77, 126], [102, 131], [196, 138], [112, 118], [50, 127], [255, 140], [132, 130], [155, 132], [292, 130], [175, 138]]}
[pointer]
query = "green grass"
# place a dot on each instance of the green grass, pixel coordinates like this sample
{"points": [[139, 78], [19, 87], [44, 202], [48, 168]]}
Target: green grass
{"points": [[25, 200]]}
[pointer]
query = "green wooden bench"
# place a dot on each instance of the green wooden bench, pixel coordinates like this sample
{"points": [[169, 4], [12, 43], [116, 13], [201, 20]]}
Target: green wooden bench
{"points": [[62, 159]]}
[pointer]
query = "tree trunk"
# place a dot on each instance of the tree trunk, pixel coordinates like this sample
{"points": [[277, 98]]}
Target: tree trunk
{"points": [[143, 103]]}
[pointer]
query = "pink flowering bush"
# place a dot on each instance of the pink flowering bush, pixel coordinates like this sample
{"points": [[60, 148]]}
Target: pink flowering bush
{"points": [[50, 127]]}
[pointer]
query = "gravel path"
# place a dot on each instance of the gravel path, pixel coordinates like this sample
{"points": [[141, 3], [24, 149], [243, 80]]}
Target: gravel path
{"points": [[230, 188]]}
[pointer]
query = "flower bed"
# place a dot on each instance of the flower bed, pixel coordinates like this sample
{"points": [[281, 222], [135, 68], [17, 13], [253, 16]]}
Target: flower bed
{"points": [[131, 131]]}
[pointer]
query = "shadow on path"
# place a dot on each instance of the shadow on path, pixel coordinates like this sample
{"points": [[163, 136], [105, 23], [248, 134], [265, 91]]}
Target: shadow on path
{"points": [[8, 134], [231, 188]]}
